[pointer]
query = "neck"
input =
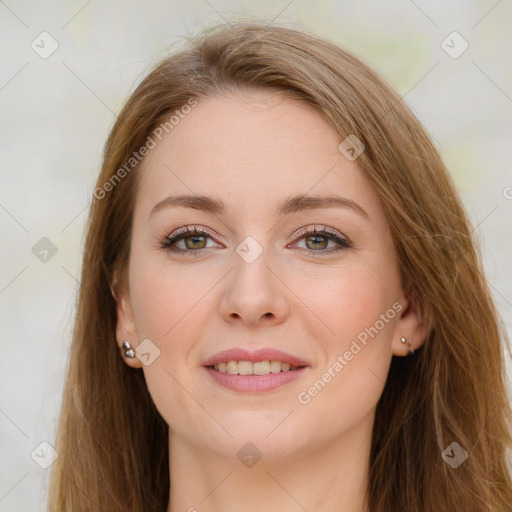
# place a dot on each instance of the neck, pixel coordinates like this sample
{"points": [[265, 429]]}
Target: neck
{"points": [[328, 477]]}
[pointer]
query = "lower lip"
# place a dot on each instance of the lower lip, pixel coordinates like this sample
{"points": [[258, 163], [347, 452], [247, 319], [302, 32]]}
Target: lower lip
{"points": [[254, 383]]}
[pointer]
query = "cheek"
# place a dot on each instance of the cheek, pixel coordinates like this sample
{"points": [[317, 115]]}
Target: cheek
{"points": [[169, 306], [165, 305], [356, 305], [166, 299], [346, 301]]}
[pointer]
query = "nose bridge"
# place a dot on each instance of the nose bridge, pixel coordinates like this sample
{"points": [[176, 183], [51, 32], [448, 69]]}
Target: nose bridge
{"points": [[253, 293]]}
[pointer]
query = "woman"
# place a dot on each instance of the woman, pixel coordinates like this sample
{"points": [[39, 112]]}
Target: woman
{"points": [[281, 306]]}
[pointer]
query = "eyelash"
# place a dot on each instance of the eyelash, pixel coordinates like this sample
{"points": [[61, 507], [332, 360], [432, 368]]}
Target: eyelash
{"points": [[324, 232]]}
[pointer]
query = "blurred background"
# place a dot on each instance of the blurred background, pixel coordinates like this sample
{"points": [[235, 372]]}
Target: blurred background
{"points": [[68, 67]]}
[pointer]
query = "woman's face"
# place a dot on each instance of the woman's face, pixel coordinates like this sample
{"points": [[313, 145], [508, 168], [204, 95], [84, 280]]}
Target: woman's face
{"points": [[256, 279]]}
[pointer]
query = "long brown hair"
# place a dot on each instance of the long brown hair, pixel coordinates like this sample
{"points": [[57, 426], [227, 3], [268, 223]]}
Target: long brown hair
{"points": [[112, 442]]}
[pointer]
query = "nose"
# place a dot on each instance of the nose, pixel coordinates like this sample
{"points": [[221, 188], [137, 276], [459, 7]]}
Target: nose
{"points": [[253, 294]]}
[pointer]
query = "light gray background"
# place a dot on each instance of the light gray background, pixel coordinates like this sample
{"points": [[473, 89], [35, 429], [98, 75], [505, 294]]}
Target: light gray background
{"points": [[56, 114]]}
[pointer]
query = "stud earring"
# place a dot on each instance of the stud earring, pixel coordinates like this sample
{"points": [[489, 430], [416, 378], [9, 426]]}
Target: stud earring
{"points": [[403, 339], [128, 350]]}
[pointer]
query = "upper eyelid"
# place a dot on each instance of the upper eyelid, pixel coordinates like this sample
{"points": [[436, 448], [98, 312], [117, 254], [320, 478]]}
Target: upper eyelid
{"points": [[186, 231], [296, 233], [318, 228]]}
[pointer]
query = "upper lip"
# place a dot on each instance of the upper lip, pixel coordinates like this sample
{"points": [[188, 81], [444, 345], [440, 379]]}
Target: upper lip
{"points": [[262, 354]]}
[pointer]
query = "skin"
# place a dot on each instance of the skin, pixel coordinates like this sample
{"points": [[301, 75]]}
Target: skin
{"points": [[252, 150]]}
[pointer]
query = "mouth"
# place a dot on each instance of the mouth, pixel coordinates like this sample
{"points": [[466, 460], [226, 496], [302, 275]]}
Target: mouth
{"points": [[253, 367], [261, 371]]}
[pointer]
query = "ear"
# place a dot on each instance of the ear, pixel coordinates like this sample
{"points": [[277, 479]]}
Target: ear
{"points": [[125, 324], [412, 324]]}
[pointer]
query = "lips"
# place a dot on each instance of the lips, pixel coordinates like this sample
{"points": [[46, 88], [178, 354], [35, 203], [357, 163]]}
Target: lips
{"points": [[263, 354], [261, 371]]}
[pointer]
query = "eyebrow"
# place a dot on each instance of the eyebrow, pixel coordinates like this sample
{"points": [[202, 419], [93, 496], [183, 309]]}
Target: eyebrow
{"points": [[290, 205]]}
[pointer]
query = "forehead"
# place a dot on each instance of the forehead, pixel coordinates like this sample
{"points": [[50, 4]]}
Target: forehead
{"points": [[255, 146]]}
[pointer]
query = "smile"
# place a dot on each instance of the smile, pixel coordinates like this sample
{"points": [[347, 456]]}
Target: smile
{"points": [[265, 369], [253, 368]]}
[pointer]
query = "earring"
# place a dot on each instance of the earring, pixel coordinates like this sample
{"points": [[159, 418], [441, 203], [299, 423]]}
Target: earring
{"points": [[403, 339], [128, 350]]}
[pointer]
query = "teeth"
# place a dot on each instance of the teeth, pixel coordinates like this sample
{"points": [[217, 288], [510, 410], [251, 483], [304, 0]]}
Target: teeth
{"points": [[256, 368], [245, 367], [232, 367], [275, 366], [262, 368]]}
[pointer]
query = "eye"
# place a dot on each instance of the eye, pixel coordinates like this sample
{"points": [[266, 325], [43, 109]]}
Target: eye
{"points": [[317, 240], [186, 240]]}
